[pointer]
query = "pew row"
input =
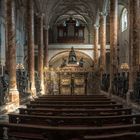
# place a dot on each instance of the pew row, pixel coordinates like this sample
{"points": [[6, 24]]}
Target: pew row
{"points": [[33, 132], [73, 99], [71, 102], [121, 136], [73, 112], [91, 106], [74, 120]]}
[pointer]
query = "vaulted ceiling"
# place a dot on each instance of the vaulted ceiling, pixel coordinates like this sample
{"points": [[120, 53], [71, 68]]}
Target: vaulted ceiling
{"points": [[85, 10], [54, 10]]}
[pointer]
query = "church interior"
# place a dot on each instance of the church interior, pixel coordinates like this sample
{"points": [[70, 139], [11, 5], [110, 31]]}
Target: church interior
{"points": [[69, 69]]}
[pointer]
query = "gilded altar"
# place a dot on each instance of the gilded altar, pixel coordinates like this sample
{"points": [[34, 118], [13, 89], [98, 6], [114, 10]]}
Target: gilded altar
{"points": [[72, 78], [72, 81]]}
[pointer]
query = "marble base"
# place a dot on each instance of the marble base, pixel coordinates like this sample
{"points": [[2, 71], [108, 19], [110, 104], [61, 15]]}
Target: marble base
{"points": [[32, 91], [42, 89], [14, 96], [9, 107]]}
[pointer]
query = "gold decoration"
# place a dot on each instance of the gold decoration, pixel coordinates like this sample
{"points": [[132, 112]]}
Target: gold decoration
{"points": [[20, 66], [124, 66]]}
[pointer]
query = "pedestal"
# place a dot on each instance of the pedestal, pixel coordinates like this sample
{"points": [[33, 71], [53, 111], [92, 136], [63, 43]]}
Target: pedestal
{"points": [[14, 97]]}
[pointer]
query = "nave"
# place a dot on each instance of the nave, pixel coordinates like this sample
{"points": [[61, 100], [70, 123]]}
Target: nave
{"points": [[69, 69]]}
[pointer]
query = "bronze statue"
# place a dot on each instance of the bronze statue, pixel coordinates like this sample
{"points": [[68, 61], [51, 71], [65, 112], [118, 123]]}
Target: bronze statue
{"points": [[64, 63], [81, 62], [72, 57]]}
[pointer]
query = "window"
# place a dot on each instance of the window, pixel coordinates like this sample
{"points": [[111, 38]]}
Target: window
{"points": [[124, 19], [77, 23], [64, 24]]}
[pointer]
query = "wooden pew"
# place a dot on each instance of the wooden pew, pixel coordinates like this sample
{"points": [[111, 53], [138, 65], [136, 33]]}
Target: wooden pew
{"points": [[74, 120], [73, 112], [26, 130], [95, 106], [121, 136], [71, 102], [73, 98], [55, 96]]}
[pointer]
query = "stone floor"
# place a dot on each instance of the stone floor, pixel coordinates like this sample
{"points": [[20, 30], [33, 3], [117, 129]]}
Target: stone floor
{"points": [[4, 117]]}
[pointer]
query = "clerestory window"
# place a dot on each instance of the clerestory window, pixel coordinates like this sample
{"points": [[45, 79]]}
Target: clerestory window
{"points": [[124, 20]]}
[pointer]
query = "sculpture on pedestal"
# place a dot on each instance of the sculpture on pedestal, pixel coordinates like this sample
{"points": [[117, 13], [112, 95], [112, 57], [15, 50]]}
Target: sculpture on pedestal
{"points": [[81, 62], [72, 57]]}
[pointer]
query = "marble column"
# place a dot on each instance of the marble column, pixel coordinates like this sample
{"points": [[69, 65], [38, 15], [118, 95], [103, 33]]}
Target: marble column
{"points": [[6, 46], [113, 39], [30, 40], [96, 44], [134, 44], [135, 15], [11, 44], [40, 52], [46, 47], [103, 41]]}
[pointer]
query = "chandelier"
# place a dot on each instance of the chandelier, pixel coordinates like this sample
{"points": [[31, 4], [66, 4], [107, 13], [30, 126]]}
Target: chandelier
{"points": [[20, 66], [124, 66]]}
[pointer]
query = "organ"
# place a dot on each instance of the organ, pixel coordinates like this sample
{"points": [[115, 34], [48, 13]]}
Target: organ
{"points": [[70, 32]]}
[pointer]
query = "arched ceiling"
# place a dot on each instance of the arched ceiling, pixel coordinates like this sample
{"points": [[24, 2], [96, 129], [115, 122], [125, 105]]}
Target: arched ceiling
{"points": [[54, 9], [85, 10]]}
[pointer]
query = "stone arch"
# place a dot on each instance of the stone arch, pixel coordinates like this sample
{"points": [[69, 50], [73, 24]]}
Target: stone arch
{"points": [[56, 60]]}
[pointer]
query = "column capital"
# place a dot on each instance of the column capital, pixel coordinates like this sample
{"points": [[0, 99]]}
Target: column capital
{"points": [[40, 14], [103, 14], [96, 26]]}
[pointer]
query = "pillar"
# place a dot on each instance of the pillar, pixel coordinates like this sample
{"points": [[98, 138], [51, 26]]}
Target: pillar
{"points": [[30, 40], [113, 39], [11, 44], [134, 44], [96, 44], [46, 47], [40, 52], [6, 46], [103, 41], [135, 15]]}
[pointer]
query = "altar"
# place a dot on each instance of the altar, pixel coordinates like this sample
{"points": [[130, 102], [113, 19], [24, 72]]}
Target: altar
{"points": [[72, 82], [72, 78]]}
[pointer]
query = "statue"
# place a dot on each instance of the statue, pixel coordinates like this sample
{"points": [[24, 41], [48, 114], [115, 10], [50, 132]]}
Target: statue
{"points": [[81, 62], [64, 63], [72, 57]]}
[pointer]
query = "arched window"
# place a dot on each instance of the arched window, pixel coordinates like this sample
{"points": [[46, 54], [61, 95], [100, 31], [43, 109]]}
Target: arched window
{"points": [[124, 20]]}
